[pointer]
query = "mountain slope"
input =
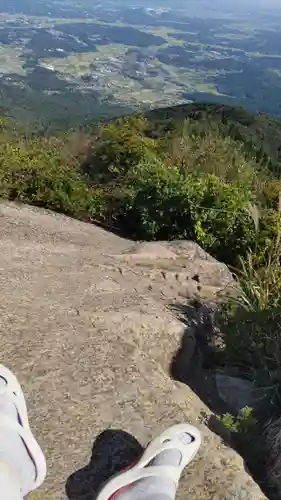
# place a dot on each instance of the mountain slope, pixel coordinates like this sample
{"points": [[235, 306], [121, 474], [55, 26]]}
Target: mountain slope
{"points": [[86, 327], [188, 172], [260, 134]]}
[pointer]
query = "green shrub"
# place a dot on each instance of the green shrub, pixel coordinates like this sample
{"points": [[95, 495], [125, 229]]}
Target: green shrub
{"points": [[195, 147], [164, 203], [33, 171], [117, 147], [270, 193], [240, 424]]}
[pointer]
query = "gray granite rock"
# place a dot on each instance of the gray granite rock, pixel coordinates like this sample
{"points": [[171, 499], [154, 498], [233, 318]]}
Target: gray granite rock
{"points": [[86, 327]]}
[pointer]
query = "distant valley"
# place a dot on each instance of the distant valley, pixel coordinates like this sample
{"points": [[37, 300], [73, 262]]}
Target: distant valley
{"points": [[66, 62]]}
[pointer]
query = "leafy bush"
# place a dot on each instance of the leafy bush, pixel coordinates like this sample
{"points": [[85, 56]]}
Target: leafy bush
{"points": [[192, 183], [197, 148], [242, 423], [164, 203], [259, 134], [116, 148], [32, 171], [270, 193]]}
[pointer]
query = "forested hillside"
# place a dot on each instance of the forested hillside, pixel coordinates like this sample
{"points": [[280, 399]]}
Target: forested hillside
{"points": [[188, 172], [201, 172], [260, 134]]}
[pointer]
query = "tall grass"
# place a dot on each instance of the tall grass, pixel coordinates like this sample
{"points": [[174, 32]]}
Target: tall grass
{"points": [[252, 327], [196, 148], [260, 286]]}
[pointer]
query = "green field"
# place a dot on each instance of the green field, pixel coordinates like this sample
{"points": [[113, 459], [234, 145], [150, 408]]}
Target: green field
{"points": [[140, 64], [10, 61]]}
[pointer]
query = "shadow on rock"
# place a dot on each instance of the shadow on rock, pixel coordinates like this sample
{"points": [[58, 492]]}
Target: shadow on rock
{"points": [[193, 363], [113, 451], [216, 426], [198, 363]]}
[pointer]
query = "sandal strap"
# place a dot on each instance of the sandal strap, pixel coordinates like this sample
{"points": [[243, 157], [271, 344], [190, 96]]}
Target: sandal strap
{"points": [[14, 393], [6, 391], [8, 423], [136, 474], [154, 449], [25, 434], [167, 471]]}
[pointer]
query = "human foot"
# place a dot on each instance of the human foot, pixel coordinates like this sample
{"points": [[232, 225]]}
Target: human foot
{"points": [[18, 447], [157, 473]]}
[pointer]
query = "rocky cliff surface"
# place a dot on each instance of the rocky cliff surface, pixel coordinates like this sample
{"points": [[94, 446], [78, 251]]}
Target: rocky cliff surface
{"points": [[89, 323]]}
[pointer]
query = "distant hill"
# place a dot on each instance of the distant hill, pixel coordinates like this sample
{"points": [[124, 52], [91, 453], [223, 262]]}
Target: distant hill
{"points": [[260, 133], [31, 108]]}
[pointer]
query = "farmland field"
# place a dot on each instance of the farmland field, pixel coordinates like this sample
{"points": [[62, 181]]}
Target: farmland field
{"points": [[76, 61]]}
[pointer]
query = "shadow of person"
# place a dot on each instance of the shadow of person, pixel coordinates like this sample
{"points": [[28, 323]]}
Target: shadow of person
{"points": [[113, 451]]}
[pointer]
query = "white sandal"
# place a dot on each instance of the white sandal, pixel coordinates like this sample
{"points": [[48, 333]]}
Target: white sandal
{"points": [[14, 392], [166, 441]]}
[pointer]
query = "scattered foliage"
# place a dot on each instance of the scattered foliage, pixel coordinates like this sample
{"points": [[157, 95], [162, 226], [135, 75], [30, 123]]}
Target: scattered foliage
{"points": [[240, 424]]}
